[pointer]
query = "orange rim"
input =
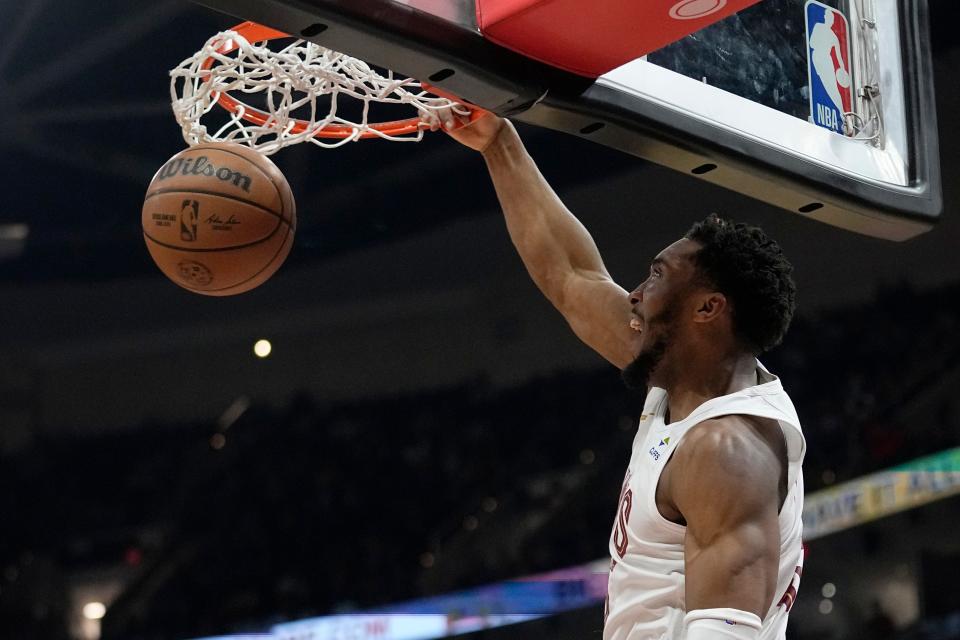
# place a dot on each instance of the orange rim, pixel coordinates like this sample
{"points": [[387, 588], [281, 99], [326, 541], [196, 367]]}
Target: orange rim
{"points": [[254, 32]]}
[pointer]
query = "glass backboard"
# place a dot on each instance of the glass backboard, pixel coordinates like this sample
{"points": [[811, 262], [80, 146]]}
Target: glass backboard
{"points": [[823, 108]]}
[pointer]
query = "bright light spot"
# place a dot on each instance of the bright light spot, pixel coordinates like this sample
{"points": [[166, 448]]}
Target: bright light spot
{"points": [[427, 560], [470, 523], [262, 348], [829, 477], [489, 504], [826, 606], [587, 456], [829, 590], [94, 610]]}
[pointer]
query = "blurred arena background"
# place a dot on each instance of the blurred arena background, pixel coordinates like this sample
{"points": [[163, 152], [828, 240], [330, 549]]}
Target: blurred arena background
{"points": [[424, 423]]}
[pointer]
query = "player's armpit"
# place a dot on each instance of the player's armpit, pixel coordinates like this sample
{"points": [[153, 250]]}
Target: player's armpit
{"points": [[726, 488], [598, 311]]}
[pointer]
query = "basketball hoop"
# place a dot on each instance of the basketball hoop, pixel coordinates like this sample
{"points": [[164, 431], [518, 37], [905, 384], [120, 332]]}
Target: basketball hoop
{"points": [[292, 79]]}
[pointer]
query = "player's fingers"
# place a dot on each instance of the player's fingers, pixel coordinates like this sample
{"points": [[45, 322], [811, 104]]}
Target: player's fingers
{"points": [[432, 120], [451, 122], [445, 118], [461, 118]]}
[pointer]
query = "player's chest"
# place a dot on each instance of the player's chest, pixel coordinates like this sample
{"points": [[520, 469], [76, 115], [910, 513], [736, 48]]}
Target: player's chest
{"points": [[652, 447], [652, 466]]}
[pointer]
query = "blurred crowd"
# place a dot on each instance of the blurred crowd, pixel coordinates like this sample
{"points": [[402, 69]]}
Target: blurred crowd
{"points": [[315, 507]]}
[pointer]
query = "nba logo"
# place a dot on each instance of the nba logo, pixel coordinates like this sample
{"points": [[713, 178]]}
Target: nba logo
{"points": [[189, 216], [828, 62]]}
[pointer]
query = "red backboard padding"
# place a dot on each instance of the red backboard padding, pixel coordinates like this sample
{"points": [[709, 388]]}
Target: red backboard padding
{"points": [[591, 37]]}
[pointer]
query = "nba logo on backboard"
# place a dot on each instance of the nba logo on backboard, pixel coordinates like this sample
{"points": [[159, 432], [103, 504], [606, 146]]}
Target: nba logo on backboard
{"points": [[828, 61]]}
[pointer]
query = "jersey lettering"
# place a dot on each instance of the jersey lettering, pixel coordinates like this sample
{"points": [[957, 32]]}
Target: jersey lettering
{"points": [[623, 518], [790, 596]]}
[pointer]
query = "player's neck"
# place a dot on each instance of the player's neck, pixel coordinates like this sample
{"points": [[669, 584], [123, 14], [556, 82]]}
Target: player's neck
{"points": [[695, 381]]}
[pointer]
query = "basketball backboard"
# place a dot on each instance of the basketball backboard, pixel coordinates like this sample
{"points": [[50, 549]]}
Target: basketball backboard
{"points": [[824, 108]]}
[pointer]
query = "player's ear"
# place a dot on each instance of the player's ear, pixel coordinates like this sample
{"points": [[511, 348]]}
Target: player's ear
{"points": [[710, 305]]}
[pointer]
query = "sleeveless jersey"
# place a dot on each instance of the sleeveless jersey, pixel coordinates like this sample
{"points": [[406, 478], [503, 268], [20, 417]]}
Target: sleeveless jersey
{"points": [[645, 598]]}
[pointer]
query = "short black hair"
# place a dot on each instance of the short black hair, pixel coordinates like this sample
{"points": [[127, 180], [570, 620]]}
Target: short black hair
{"points": [[749, 268]]}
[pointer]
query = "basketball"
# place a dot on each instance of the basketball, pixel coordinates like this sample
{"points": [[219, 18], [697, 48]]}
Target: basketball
{"points": [[219, 219]]}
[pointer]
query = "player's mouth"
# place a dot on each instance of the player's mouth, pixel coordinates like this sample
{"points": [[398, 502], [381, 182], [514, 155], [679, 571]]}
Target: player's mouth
{"points": [[636, 324]]}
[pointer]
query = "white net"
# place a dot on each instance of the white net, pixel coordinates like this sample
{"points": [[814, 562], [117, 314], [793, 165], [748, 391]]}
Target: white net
{"points": [[303, 89]]}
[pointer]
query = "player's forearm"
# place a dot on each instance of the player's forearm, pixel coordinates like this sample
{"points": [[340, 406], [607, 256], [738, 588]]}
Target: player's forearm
{"points": [[551, 241]]}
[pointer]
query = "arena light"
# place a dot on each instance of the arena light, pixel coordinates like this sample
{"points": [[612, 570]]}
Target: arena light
{"points": [[262, 348], [94, 610]]}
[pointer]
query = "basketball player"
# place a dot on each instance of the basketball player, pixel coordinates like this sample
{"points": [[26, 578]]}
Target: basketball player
{"points": [[706, 543]]}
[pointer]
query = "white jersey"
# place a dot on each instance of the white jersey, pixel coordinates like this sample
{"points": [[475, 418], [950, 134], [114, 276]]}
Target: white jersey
{"points": [[645, 593]]}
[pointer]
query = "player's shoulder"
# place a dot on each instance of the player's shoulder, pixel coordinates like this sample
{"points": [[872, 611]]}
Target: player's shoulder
{"points": [[725, 462], [735, 443]]}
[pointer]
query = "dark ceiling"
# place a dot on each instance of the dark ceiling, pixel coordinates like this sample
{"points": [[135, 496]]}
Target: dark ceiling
{"points": [[87, 122]]}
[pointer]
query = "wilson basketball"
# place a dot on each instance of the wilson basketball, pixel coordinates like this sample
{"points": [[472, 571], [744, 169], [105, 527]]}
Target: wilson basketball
{"points": [[219, 219]]}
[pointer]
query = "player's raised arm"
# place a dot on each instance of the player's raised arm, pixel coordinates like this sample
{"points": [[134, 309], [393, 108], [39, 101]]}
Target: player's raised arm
{"points": [[727, 490], [557, 250]]}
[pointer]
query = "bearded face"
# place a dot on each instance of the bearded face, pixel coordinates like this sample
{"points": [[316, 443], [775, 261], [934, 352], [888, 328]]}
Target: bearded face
{"points": [[657, 310], [658, 336]]}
